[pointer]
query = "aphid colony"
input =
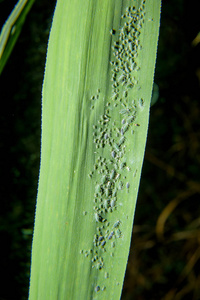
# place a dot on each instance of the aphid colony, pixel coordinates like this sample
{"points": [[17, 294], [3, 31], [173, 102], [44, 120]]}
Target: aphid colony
{"points": [[125, 53], [110, 137]]}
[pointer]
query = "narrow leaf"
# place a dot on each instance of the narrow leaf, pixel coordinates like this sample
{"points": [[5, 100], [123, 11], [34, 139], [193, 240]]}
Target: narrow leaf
{"points": [[96, 98], [12, 28]]}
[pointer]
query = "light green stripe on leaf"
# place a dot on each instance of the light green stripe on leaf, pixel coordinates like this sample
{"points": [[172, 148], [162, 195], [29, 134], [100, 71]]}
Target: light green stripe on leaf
{"points": [[12, 28], [96, 98]]}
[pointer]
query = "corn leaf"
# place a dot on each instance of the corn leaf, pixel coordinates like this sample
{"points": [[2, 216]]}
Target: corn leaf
{"points": [[95, 110], [12, 28]]}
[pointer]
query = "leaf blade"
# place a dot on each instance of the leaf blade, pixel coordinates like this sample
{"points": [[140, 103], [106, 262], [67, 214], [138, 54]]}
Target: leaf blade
{"points": [[12, 28], [90, 169]]}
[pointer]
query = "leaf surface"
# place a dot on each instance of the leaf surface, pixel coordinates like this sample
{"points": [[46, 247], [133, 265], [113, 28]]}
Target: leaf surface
{"points": [[96, 98]]}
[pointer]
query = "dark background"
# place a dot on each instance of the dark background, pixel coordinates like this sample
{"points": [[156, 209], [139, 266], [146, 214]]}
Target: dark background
{"points": [[164, 261]]}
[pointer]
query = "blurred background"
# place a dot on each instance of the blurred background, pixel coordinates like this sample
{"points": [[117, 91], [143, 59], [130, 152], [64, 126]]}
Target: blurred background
{"points": [[164, 260]]}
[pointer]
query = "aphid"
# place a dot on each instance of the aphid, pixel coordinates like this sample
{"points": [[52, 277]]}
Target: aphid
{"points": [[122, 165], [128, 186], [121, 141], [137, 124], [108, 104], [97, 288], [98, 188], [106, 275], [107, 192], [100, 264], [90, 175], [141, 102], [115, 84], [104, 179], [125, 128], [130, 119], [106, 117], [109, 184], [134, 174], [106, 204], [120, 185], [113, 244], [117, 176], [132, 66], [116, 224], [103, 243], [115, 53], [116, 69], [113, 154], [116, 44], [112, 203], [125, 111], [100, 238], [117, 129], [98, 218], [118, 233], [114, 193], [127, 68], [112, 174], [137, 68], [116, 147], [111, 235]]}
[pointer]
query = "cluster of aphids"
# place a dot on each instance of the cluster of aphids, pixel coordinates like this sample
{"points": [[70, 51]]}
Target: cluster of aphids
{"points": [[102, 133], [125, 51], [94, 98], [110, 171]]}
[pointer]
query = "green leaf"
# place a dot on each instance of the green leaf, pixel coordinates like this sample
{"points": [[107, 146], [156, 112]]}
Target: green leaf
{"points": [[12, 28], [96, 98]]}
